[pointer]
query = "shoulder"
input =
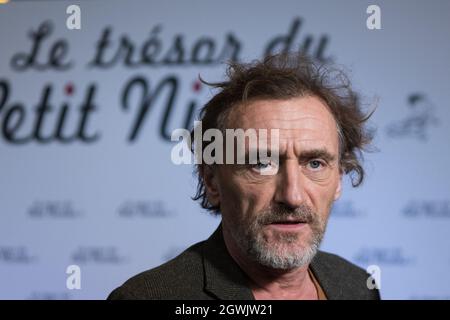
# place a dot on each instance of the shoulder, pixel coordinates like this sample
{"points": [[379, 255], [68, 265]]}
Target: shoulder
{"points": [[333, 262], [179, 278], [342, 279]]}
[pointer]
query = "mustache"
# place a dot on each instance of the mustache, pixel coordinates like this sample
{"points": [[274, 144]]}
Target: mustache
{"points": [[280, 213]]}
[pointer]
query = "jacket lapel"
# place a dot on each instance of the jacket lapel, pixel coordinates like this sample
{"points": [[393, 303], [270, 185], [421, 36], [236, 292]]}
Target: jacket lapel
{"points": [[224, 279], [327, 278]]}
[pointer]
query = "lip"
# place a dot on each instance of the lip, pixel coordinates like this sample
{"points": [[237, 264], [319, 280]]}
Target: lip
{"points": [[288, 226]]}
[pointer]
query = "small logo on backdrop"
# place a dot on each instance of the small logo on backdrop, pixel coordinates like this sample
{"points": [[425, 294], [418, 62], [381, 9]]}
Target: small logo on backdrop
{"points": [[345, 209], [16, 255], [382, 256], [97, 255], [49, 295], [419, 121], [144, 209], [427, 209], [429, 297], [53, 209]]}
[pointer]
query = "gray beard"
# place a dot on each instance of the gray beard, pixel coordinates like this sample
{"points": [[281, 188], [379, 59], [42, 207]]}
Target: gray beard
{"points": [[278, 254]]}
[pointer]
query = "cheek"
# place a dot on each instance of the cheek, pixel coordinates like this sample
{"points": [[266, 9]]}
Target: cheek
{"points": [[230, 194], [322, 195], [241, 197], [257, 197]]}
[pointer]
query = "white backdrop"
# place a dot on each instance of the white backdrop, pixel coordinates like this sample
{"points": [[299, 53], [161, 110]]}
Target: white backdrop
{"points": [[77, 188]]}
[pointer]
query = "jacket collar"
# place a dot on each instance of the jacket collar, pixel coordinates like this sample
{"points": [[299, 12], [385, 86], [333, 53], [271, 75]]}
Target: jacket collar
{"points": [[328, 277], [224, 279]]}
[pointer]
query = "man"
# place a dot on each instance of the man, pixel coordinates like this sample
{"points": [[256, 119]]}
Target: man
{"points": [[266, 246]]}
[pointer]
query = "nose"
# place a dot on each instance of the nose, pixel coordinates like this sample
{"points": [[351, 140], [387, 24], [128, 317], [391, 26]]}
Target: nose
{"points": [[290, 187]]}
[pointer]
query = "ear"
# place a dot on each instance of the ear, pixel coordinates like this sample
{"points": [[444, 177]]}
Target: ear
{"points": [[211, 185], [338, 191]]}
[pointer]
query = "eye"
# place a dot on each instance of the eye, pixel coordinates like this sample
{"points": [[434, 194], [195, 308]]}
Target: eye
{"points": [[265, 167], [260, 165], [315, 164]]}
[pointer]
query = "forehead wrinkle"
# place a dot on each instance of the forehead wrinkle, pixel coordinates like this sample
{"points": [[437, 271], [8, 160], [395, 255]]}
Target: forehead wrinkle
{"points": [[301, 120], [300, 146]]}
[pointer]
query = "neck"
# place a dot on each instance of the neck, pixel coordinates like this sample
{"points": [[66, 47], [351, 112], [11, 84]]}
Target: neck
{"points": [[269, 283]]}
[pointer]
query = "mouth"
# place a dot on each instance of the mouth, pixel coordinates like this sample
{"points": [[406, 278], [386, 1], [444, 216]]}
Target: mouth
{"points": [[288, 224]]}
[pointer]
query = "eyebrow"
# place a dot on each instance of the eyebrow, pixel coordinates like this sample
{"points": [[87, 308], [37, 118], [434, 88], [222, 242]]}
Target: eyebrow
{"points": [[321, 153], [317, 153]]}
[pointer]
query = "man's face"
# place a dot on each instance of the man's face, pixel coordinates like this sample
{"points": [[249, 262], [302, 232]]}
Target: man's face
{"points": [[279, 220]]}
